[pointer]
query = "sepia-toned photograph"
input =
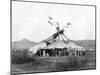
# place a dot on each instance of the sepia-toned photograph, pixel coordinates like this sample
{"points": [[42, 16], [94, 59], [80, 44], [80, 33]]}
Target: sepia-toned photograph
{"points": [[52, 37]]}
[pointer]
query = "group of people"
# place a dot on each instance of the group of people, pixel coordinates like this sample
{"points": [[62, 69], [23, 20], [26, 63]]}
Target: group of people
{"points": [[52, 52], [59, 52]]}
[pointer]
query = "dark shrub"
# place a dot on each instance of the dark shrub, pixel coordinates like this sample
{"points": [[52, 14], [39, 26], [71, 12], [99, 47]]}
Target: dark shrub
{"points": [[72, 63], [21, 57], [77, 62]]}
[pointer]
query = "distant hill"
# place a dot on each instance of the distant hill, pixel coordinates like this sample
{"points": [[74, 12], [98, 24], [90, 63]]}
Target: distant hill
{"points": [[26, 44], [23, 44], [86, 43]]}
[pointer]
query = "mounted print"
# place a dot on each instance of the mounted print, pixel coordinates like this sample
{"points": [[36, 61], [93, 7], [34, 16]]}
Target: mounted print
{"points": [[52, 37]]}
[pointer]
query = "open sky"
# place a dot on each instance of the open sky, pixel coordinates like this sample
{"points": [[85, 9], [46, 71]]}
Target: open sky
{"points": [[30, 20]]}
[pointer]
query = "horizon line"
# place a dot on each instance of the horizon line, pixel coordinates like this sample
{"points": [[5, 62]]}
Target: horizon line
{"points": [[41, 40]]}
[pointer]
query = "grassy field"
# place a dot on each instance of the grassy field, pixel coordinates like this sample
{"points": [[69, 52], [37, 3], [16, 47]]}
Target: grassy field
{"points": [[54, 64], [22, 63]]}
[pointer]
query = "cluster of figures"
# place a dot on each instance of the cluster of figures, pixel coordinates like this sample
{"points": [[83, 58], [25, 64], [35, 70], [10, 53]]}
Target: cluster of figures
{"points": [[59, 52]]}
